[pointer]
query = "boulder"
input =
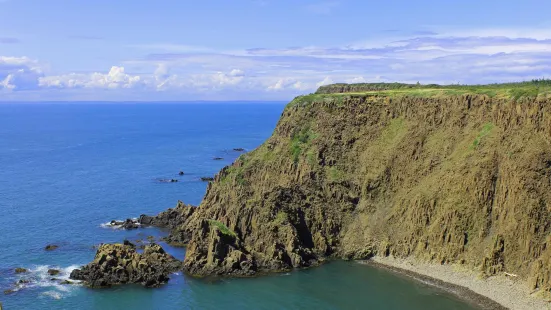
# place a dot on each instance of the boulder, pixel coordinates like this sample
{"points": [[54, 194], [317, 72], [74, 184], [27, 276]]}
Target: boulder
{"points": [[119, 264], [66, 282], [51, 247]]}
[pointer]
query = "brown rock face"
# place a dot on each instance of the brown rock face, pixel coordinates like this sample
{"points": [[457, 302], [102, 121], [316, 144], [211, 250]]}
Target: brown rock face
{"points": [[455, 178], [120, 264]]}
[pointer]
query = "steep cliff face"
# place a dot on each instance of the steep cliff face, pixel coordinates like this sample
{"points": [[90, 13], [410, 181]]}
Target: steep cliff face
{"points": [[451, 179]]}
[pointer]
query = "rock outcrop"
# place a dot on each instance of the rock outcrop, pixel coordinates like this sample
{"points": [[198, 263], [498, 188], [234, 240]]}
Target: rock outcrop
{"points": [[121, 263], [443, 177]]}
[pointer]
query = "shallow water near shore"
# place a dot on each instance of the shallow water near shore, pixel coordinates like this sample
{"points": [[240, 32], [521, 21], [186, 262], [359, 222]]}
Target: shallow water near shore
{"points": [[69, 168]]}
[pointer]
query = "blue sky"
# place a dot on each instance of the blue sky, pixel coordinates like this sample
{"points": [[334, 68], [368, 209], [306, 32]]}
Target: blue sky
{"points": [[261, 49]]}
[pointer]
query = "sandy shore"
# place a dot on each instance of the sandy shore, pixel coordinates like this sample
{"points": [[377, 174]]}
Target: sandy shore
{"points": [[498, 292]]}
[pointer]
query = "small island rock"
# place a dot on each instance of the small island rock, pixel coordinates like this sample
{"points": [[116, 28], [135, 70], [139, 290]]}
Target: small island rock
{"points": [[21, 270], [119, 264]]}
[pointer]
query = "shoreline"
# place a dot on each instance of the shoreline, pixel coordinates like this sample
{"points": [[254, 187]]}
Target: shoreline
{"points": [[497, 292]]}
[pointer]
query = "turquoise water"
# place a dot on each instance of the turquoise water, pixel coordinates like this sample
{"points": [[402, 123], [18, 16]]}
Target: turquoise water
{"points": [[68, 168]]}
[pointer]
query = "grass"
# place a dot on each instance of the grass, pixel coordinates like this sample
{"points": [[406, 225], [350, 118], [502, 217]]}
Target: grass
{"points": [[337, 93], [223, 228], [486, 129], [300, 141]]}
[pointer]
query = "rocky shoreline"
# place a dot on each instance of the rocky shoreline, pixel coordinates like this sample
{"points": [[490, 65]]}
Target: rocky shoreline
{"points": [[496, 292]]}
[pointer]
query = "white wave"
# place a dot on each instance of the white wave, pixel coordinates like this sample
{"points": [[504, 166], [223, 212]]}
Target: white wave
{"points": [[38, 277], [113, 226], [53, 294]]}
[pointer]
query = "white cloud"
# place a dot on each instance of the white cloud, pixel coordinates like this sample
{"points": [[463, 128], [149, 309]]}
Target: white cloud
{"points": [[325, 81], [116, 78], [288, 84], [6, 83]]}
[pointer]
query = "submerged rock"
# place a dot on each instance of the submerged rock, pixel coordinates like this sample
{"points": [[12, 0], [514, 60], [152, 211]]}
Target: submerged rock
{"points": [[207, 179], [66, 282], [181, 173], [51, 247], [9, 292], [239, 149], [21, 270], [218, 158], [119, 264]]}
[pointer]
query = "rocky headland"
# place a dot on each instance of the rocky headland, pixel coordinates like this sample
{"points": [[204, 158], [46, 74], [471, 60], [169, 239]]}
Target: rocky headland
{"points": [[447, 175]]}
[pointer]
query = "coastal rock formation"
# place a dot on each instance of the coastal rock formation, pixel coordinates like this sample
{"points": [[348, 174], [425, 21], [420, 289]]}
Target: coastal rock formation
{"points": [[120, 263], [443, 175], [20, 270]]}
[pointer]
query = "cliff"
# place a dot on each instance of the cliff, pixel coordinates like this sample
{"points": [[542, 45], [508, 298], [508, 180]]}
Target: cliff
{"points": [[447, 175]]}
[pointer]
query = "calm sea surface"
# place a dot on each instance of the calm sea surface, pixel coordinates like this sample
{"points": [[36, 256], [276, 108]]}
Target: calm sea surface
{"points": [[65, 169]]}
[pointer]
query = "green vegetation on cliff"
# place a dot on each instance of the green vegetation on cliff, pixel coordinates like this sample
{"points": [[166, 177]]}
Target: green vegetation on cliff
{"points": [[338, 93]]}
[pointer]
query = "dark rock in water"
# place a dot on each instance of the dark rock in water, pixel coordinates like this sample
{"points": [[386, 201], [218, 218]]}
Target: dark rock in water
{"points": [[130, 224], [239, 149], [126, 242], [21, 270], [173, 180], [65, 282], [207, 179], [181, 173], [53, 272], [150, 238], [119, 264], [8, 292], [23, 281], [218, 158], [169, 218], [51, 247]]}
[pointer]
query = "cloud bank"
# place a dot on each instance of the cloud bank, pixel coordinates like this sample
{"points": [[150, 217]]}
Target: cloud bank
{"points": [[186, 72]]}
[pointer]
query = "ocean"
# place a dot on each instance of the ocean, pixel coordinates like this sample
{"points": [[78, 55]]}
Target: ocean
{"points": [[66, 169]]}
